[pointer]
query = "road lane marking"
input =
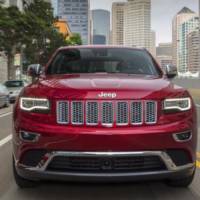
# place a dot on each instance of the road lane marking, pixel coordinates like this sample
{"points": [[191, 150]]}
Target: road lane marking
{"points": [[198, 161], [5, 114], [5, 140], [198, 164], [198, 154]]}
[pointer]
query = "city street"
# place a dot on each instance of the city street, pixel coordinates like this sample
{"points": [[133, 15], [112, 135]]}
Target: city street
{"points": [[57, 190]]}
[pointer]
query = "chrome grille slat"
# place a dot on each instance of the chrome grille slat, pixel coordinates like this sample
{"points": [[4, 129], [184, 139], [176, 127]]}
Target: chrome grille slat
{"points": [[150, 112], [92, 113], [122, 113], [107, 113], [63, 112], [136, 113], [77, 112]]}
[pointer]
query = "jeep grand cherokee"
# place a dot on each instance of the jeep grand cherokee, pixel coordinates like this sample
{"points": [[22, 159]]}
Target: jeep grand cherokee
{"points": [[100, 113]]}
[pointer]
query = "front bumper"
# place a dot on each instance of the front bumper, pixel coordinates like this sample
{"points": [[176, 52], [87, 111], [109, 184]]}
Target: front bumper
{"points": [[41, 172]]}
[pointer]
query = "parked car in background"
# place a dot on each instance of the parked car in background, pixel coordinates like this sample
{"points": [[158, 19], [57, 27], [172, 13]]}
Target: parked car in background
{"points": [[4, 96], [14, 87]]}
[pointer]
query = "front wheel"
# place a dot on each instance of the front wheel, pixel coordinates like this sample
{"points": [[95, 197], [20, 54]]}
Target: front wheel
{"points": [[20, 181]]}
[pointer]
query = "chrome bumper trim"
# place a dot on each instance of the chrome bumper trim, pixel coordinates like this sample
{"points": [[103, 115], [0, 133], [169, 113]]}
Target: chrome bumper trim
{"points": [[42, 166]]}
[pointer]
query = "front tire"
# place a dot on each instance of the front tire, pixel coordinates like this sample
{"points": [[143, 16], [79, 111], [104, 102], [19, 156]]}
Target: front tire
{"points": [[182, 182], [20, 181]]}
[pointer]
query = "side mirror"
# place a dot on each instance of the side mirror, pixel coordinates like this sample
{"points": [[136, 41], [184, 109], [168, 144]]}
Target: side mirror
{"points": [[34, 70], [171, 71]]}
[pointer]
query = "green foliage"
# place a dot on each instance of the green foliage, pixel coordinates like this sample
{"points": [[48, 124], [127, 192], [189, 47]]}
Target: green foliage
{"points": [[31, 32], [12, 29], [75, 39]]}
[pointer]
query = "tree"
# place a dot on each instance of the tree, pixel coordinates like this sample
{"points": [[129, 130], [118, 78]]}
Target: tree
{"points": [[75, 39], [12, 35], [32, 33]]}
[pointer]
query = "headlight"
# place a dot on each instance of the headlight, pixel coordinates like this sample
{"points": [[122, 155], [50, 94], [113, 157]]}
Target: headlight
{"points": [[34, 104], [179, 104]]}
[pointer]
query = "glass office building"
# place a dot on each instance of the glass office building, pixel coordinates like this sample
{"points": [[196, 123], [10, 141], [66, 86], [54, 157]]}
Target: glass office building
{"points": [[76, 13]]}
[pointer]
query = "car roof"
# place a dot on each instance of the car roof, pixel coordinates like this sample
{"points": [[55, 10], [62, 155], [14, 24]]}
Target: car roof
{"points": [[100, 47]]}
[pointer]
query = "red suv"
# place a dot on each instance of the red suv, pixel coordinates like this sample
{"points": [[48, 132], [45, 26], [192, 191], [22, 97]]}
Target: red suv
{"points": [[100, 113]]}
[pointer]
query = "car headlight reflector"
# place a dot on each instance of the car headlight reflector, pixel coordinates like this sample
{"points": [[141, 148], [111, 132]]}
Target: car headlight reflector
{"points": [[180, 104], [34, 104]]}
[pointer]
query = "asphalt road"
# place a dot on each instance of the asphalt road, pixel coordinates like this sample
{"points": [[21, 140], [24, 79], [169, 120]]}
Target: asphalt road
{"points": [[67, 191], [188, 83]]}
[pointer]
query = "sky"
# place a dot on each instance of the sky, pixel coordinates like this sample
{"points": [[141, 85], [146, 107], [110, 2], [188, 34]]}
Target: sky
{"points": [[163, 12]]}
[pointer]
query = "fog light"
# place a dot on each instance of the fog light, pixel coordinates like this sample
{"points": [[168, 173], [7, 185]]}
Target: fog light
{"points": [[183, 137], [29, 137]]}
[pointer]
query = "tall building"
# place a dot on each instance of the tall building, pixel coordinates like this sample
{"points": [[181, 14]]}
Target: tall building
{"points": [[164, 49], [99, 39], [63, 27], [55, 7], [185, 29], [199, 31], [182, 16], [193, 47], [164, 60], [118, 9], [137, 24], [76, 13], [101, 24], [153, 43], [18, 3], [164, 54]]}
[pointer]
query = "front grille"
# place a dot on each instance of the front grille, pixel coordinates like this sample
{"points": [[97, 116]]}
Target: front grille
{"points": [[151, 112], [77, 112], [63, 112], [136, 113], [107, 113], [92, 113], [105, 164], [122, 113]]}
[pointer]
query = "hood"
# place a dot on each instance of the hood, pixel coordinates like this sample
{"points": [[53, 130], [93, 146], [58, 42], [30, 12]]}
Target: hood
{"points": [[90, 86]]}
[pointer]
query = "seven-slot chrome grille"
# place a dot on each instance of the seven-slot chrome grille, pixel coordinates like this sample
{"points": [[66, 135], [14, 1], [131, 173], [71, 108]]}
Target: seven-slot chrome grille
{"points": [[107, 113]]}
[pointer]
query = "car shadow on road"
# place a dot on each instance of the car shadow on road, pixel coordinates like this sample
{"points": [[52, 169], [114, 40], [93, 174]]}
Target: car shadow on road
{"points": [[128, 191]]}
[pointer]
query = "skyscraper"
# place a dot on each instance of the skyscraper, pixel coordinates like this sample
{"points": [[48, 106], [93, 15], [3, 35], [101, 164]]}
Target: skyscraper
{"points": [[101, 24], [164, 60], [76, 13], [164, 49], [185, 29], [193, 46], [153, 43], [118, 9], [137, 25], [183, 15], [164, 54], [18, 3]]}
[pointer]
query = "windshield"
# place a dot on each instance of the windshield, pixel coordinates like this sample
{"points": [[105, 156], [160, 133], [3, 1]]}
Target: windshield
{"points": [[10, 84], [103, 60]]}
